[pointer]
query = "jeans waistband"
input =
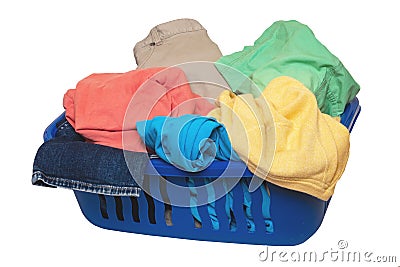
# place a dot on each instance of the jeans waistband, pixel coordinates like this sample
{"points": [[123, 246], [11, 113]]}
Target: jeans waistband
{"points": [[41, 179], [168, 29]]}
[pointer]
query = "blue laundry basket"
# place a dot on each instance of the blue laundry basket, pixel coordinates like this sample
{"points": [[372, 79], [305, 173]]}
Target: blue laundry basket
{"points": [[271, 215]]}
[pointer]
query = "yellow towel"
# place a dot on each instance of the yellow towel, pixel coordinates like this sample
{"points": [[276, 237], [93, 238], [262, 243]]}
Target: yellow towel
{"points": [[284, 138]]}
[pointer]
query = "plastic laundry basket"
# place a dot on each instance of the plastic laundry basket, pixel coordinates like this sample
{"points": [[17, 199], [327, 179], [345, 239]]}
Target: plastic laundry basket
{"points": [[271, 215]]}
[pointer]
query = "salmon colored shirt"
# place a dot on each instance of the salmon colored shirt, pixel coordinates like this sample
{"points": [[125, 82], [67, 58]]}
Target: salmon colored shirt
{"points": [[105, 107]]}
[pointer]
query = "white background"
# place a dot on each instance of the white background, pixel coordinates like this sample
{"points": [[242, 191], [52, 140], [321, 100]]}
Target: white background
{"points": [[48, 46]]}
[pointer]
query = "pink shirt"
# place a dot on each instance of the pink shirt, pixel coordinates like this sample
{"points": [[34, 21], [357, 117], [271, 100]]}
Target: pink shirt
{"points": [[104, 108]]}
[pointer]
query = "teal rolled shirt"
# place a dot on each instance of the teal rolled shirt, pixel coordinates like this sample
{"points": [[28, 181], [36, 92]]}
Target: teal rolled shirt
{"points": [[189, 142]]}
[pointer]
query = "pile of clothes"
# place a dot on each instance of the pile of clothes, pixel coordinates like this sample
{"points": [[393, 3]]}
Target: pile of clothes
{"points": [[275, 105]]}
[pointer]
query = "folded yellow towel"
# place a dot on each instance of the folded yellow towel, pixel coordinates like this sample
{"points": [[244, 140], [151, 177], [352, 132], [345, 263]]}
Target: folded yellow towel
{"points": [[284, 138]]}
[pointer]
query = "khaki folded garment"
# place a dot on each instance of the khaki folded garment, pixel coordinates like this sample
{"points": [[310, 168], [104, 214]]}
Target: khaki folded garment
{"points": [[184, 42]]}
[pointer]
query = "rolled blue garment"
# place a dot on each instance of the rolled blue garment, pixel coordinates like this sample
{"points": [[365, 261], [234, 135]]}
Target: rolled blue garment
{"points": [[189, 142]]}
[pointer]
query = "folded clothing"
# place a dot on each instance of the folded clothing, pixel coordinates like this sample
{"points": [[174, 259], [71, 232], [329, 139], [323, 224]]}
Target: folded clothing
{"points": [[183, 42], [189, 142], [67, 161], [174, 42], [104, 107], [290, 48], [284, 138]]}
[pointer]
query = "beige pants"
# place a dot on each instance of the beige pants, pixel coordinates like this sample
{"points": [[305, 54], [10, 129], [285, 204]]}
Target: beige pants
{"points": [[183, 42]]}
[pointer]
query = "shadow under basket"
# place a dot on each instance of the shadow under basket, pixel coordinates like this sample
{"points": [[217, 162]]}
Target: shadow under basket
{"points": [[220, 209]]}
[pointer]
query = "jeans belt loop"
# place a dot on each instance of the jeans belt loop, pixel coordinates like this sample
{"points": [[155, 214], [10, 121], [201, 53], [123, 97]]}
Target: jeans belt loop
{"points": [[155, 36]]}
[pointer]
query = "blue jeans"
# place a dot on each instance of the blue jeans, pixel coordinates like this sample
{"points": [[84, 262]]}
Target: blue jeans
{"points": [[68, 161]]}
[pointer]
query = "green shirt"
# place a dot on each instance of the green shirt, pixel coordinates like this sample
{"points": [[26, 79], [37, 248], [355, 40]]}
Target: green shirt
{"points": [[290, 48]]}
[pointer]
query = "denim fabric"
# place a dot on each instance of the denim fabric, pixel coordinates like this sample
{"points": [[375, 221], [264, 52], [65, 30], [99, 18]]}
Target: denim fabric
{"points": [[67, 161]]}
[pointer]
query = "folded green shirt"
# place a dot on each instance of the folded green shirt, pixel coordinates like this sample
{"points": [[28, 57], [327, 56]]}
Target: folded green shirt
{"points": [[290, 48]]}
